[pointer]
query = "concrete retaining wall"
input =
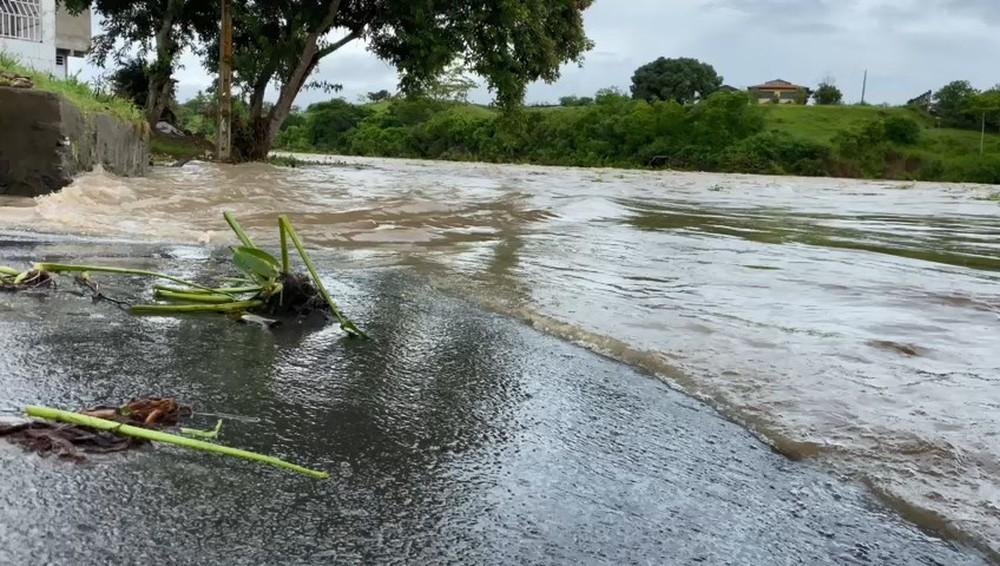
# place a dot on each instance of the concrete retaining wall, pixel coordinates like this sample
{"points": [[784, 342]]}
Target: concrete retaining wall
{"points": [[45, 141]]}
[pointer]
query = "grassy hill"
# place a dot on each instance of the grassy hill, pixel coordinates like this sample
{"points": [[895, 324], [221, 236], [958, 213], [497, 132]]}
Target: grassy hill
{"points": [[952, 148], [723, 133]]}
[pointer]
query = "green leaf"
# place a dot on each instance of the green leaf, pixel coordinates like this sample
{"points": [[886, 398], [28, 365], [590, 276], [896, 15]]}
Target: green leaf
{"points": [[256, 263]]}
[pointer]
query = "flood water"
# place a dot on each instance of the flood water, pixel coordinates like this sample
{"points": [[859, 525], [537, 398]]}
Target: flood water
{"points": [[854, 324]]}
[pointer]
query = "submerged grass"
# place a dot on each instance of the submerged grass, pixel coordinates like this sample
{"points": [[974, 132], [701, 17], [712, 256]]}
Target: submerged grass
{"points": [[76, 91]]}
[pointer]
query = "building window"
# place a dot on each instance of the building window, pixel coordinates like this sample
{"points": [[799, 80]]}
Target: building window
{"points": [[21, 19]]}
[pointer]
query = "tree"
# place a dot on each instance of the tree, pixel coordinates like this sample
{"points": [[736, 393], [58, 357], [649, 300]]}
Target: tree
{"points": [[510, 44], [327, 122], [131, 81], [575, 101], [163, 27], [986, 105], [952, 103], [378, 96], [682, 80], [827, 94], [451, 85]]}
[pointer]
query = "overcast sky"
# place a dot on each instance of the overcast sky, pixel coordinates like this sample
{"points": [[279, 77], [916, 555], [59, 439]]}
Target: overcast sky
{"points": [[908, 46]]}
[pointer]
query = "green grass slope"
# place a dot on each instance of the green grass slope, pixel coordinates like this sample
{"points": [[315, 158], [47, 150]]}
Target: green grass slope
{"points": [[77, 92]]}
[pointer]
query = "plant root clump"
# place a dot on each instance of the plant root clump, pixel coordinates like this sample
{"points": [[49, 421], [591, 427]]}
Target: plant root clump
{"points": [[65, 441], [32, 280], [298, 298], [70, 442], [149, 413]]}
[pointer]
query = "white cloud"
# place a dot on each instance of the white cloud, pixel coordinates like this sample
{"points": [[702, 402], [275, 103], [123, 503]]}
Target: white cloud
{"points": [[908, 46]]}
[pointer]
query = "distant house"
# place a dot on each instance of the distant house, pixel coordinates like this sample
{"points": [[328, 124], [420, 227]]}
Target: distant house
{"points": [[924, 101], [780, 92], [41, 36]]}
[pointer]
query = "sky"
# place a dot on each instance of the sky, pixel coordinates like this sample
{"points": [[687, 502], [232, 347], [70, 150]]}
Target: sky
{"points": [[907, 46]]}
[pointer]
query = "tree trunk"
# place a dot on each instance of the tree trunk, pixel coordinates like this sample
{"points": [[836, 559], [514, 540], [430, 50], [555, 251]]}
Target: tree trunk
{"points": [[159, 95], [267, 130], [160, 74], [259, 88]]}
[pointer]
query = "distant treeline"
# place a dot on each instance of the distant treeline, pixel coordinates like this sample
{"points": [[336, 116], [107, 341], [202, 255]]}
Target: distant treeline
{"points": [[724, 132]]}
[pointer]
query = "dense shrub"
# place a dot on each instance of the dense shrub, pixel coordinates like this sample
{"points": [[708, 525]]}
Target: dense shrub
{"points": [[777, 154], [901, 129]]}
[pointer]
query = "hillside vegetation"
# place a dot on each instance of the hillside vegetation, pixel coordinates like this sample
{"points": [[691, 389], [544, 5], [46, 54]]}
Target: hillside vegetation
{"points": [[722, 133]]}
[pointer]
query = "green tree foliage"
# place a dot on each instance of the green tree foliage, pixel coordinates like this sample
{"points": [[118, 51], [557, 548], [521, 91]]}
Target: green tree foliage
{"points": [[575, 101], [131, 81], [453, 84], [199, 114], [509, 44], [323, 126], [986, 107], [160, 27], [615, 130], [901, 129], [828, 94], [378, 96], [952, 104], [681, 80], [725, 132]]}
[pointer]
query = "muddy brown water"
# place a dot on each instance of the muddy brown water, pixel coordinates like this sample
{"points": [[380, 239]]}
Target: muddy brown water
{"points": [[851, 324]]}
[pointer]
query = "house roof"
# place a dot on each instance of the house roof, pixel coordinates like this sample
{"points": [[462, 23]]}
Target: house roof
{"points": [[778, 84]]}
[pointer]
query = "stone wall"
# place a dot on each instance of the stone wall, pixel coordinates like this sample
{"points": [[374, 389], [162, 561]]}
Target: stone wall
{"points": [[45, 141]]}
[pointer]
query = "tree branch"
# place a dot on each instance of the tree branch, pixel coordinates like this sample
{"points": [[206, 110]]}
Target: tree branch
{"points": [[335, 46]]}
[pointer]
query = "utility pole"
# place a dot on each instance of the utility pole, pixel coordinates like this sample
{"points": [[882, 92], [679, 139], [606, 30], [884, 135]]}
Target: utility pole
{"points": [[864, 87], [982, 136], [223, 142]]}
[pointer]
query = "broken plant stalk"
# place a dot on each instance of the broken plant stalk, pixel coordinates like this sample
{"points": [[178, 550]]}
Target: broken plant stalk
{"points": [[285, 227], [192, 297], [70, 417], [211, 434], [61, 267], [240, 233], [216, 291], [177, 309]]}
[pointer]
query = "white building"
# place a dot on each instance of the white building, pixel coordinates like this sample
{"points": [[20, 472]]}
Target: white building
{"points": [[41, 36]]}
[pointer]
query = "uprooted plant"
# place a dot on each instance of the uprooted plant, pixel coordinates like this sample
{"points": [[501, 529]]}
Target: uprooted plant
{"points": [[267, 287]]}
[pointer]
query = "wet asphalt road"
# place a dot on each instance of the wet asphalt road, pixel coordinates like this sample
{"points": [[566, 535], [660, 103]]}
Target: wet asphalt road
{"points": [[455, 436]]}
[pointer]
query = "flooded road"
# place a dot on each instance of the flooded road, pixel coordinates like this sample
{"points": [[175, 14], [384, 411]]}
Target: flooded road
{"points": [[853, 324], [455, 436]]}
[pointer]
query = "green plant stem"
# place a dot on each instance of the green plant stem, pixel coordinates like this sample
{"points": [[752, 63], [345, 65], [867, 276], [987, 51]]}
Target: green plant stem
{"points": [[345, 324], [179, 309], [240, 233], [284, 245], [217, 290], [51, 414], [4, 270], [203, 434], [192, 297], [61, 267]]}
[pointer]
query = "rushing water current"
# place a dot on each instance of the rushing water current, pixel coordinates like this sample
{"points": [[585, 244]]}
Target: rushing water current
{"points": [[852, 322]]}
